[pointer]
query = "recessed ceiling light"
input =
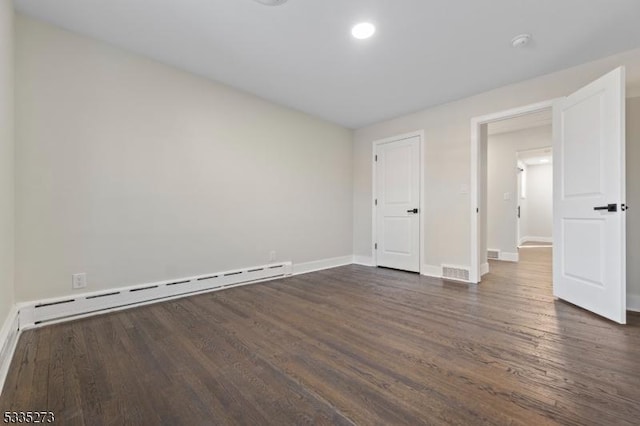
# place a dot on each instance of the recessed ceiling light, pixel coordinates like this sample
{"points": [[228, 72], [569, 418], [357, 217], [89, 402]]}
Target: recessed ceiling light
{"points": [[363, 30], [521, 40]]}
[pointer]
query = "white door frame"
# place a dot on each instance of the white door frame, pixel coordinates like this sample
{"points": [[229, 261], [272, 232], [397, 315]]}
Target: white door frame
{"points": [[476, 127], [519, 178], [374, 231]]}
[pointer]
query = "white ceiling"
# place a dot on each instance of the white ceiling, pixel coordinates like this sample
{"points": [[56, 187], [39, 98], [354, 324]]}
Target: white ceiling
{"points": [[535, 157], [301, 54]]}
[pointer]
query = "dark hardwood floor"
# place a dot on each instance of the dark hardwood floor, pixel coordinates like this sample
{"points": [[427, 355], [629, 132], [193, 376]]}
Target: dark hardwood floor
{"points": [[343, 346]]}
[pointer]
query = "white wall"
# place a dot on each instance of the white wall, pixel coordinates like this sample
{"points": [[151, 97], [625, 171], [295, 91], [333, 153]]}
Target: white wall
{"points": [[133, 171], [539, 206], [502, 178], [6, 161], [447, 155]]}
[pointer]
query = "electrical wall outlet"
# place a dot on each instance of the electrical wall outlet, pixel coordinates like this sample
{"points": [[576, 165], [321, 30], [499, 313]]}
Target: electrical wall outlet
{"points": [[79, 280], [272, 256]]}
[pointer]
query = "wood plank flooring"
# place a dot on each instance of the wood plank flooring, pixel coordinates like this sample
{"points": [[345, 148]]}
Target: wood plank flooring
{"points": [[352, 345]]}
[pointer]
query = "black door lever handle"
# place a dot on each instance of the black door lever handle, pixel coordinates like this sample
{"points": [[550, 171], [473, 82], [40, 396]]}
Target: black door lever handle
{"points": [[608, 207], [412, 211]]}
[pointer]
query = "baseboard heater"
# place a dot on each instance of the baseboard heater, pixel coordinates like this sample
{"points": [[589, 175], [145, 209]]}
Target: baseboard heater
{"points": [[67, 308]]}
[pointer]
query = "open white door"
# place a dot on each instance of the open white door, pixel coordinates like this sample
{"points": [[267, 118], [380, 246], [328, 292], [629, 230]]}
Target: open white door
{"points": [[589, 197], [397, 204]]}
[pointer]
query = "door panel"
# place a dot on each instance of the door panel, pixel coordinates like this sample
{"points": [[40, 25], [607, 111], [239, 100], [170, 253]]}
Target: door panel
{"points": [[397, 176], [589, 255], [583, 144], [396, 232], [584, 238], [398, 192]]}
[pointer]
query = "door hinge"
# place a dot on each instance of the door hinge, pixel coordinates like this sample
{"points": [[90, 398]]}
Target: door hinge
{"points": [[477, 210], [376, 202], [375, 246], [376, 159]]}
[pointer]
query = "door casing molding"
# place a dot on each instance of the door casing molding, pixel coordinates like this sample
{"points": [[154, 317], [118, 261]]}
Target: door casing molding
{"points": [[475, 274]]}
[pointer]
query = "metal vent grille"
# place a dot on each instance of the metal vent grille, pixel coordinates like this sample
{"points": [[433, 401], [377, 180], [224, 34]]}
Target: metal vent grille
{"points": [[455, 273], [493, 254]]}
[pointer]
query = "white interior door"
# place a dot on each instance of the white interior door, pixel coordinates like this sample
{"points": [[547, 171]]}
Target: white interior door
{"points": [[589, 197], [397, 204]]}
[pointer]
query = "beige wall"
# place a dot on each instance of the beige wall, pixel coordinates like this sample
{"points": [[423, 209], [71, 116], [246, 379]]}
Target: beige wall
{"points": [[633, 200], [447, 155], [121, 141], [539, 202], [133, 171], [6, 161], [502, 177]]}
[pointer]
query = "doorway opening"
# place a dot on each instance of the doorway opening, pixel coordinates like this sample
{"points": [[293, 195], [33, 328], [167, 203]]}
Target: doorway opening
{"points": [[514, 149], [515, 119], [535, 198]]}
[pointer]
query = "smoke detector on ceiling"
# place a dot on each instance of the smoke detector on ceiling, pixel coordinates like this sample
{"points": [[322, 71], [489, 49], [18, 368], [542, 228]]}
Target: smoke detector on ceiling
{"points": [[272, 2], [521, 40]]}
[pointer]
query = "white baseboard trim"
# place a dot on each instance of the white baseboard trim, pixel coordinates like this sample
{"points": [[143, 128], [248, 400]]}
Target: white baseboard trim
{"points": [[633, 302], [319, 265], [363, 260], [529, 239], [484, 269], [432, 271], [509, 257], [9, 334]]}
